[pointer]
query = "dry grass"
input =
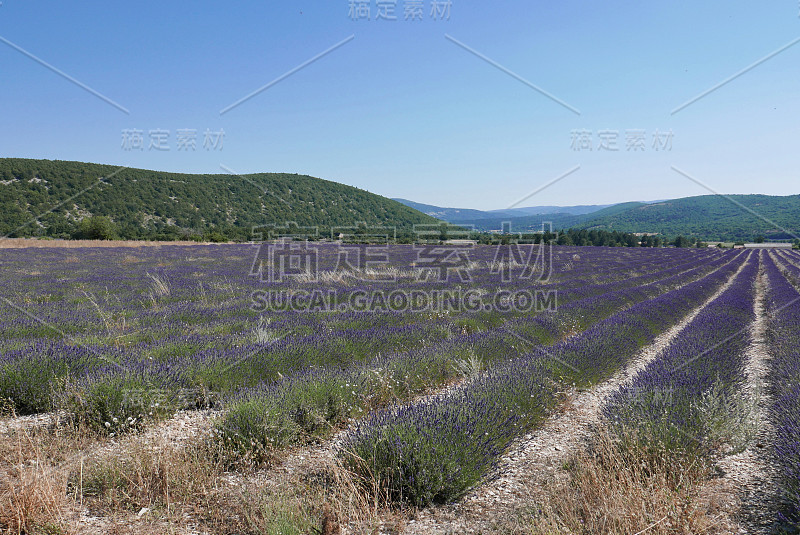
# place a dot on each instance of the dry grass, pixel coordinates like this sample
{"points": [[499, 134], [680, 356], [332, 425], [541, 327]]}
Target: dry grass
{"points": [[165, 486], [160, 286], [61, 480], [18, 243], [616, 488], [32, 494], [189, 486], [34, 470]]}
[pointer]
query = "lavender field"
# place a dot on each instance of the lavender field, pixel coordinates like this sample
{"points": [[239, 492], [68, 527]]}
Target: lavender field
{"points": [[414, 375]]}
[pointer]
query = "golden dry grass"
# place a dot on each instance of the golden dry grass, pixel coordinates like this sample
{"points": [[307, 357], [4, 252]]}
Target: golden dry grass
{"points": [[19, 243], [190, 484], [61, 480], [34, 472], [615, 488], [52, 478]]}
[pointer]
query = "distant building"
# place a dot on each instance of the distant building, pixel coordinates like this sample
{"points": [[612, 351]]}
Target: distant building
{"points": [[768, 245]]}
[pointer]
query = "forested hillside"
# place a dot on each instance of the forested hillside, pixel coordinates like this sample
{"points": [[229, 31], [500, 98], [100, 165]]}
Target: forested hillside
{"points": [[64, 199], [707, 217]]}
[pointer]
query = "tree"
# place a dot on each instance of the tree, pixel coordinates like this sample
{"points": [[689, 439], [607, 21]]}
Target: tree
{"points": [[215, 236], [96, 227], [564, 239], [443, 232], [682, 241]]}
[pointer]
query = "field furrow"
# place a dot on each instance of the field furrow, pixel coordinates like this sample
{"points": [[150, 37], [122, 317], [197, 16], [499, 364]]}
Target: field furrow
{"points": [[409, 450], [654, 462], [783, 336], [149, 391], [524, 473]]}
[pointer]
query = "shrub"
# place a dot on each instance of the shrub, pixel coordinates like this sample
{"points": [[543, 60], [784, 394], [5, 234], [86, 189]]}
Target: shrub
{"points": [[113, 403], [296, 410]]}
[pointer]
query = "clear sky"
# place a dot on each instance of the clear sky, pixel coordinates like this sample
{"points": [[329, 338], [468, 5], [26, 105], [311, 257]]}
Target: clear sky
{"points": [[477, 111]]}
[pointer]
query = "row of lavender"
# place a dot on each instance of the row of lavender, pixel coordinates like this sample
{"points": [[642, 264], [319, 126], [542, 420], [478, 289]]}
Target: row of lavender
{"points": [[112, 294], [584, 305], [784, 378], [316, 400], [127, 296], [60, 305], [690, 397], [97, 352], [434, 450]]}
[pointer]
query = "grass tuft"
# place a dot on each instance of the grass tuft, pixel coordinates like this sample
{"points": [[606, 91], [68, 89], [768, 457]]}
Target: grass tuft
{"points": [[621, 487]]}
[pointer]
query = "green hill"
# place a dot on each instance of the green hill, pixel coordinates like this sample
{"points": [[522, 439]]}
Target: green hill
{"points": [[559, 220], [708, 217], [64, 199], [469, 215]]}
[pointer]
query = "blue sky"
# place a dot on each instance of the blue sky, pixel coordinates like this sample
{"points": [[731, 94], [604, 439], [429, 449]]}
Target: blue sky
{"points": [[403, 111]]}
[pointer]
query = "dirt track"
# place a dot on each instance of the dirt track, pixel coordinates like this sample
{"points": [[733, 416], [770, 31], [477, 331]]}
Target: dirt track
{"points": [[23, 243], [539, 457]]}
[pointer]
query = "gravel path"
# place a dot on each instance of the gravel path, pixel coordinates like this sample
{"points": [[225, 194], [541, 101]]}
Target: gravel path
{"points": [[171, 433], [23, 423], [750, 474], [535, 459], [539, 456]]}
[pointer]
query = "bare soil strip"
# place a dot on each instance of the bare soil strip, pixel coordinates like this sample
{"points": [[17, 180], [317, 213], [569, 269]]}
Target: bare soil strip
{"points": [[24, 243], [749, 474], [539, 457], [21, 423]]}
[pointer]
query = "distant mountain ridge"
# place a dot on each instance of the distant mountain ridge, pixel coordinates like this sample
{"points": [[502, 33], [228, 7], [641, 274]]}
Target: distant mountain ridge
{"points": [[706, 217], [53, 197], [66, 199], [465, 214], [709, 217]]}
